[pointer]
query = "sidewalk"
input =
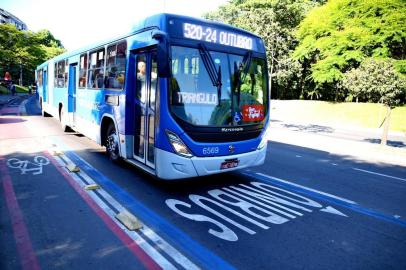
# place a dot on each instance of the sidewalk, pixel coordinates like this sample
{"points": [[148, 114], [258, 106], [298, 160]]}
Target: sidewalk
{"points": [[395, 138], [362, 144]]}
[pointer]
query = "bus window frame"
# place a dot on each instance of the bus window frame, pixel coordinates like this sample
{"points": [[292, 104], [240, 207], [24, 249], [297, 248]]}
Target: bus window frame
{"points": [[89, 61], [86, 54], [127, 52]]}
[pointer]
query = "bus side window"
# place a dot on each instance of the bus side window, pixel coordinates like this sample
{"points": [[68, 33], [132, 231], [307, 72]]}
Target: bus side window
{"points": [[115, 67], [56, 74], [82, 71], [96, 69], [40, 77], [141, 78], [154, 80], [60, 74], [175, 65], [66, 73]]}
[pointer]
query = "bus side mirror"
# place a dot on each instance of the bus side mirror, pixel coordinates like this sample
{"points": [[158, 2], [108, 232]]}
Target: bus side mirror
{"points": [[163, 53]]}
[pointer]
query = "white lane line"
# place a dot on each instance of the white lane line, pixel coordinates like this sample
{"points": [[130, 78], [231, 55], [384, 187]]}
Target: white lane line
{"points": [[380, 174], [159, 243], [307, 188], [153, 253]]}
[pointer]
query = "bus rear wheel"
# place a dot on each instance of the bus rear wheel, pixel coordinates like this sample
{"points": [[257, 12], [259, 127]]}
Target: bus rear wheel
{"points": [[112, 147]]}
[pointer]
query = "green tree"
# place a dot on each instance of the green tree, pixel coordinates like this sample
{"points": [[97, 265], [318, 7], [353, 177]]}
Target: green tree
{"points": [[274, 21], [377, 81], [339, 35], [22, 51]]}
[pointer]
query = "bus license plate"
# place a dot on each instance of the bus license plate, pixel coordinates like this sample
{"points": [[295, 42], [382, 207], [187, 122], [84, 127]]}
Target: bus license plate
{"points": [[229, 163]]}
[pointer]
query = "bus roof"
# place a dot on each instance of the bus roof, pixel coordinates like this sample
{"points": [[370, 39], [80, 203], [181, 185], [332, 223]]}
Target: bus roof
{"points": [[157, 21]]}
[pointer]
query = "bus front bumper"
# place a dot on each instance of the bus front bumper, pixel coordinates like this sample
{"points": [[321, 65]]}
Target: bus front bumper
{"points": [[171, 166]]}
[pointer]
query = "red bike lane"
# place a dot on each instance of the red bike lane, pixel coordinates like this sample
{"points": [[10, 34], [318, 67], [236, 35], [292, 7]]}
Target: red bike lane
{"points": [[48, 221]]}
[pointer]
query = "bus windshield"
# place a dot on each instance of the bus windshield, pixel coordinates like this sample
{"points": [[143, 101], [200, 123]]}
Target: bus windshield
{"points": [[237, 97]]}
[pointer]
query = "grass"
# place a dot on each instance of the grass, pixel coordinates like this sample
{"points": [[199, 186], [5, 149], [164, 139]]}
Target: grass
{"points": [[19, 89], [367, 115]]}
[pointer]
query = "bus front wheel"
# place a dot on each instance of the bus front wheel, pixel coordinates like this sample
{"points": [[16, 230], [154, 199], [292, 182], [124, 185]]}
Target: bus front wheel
{"points": [[112, 147]]}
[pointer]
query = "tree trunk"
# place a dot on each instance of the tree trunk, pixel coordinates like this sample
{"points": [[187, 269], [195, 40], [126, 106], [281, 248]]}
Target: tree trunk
{"points": [[270, 78], [302, 82], [384, 139]]}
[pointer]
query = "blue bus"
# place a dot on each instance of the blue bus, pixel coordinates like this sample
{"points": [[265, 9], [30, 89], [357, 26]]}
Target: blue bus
{"points": [[178, 97]]}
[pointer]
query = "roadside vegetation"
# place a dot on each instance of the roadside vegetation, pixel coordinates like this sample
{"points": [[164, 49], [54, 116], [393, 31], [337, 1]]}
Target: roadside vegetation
{"points": [[22, 51], [344, 114], [335, 50], [19, 89]]}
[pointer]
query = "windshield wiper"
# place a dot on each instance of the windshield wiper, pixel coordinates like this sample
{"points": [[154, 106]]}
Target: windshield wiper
{"points": [[246, 63], [215, 75]]}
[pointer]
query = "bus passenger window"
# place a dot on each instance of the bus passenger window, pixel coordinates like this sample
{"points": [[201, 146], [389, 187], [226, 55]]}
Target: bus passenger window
{"points": [[96, 69], [141, 78], [154, 81], [116, 64], [175, 66], [66, 73], [195, 65], [82, 71], [56, 75], [60, 74], [39, 77]]}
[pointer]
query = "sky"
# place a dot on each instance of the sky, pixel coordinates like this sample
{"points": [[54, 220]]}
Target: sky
{"points": [[81, 22]]}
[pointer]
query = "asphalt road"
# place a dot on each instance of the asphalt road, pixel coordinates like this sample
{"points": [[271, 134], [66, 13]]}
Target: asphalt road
{"points": [[303, 209]]}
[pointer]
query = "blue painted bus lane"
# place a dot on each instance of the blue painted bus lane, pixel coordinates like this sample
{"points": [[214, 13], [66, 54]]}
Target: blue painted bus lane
{"points": [[275, 225]]}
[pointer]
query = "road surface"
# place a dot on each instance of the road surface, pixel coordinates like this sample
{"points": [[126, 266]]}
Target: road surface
{"points": [[305, 208]]}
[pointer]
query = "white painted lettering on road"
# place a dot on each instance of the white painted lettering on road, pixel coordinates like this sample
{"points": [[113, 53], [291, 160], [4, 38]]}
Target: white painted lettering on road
{"points": [[303, 187], [224, 233], [246, 207]]}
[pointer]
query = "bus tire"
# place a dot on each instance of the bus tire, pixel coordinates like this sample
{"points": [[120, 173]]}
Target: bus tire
{"points": [[112, 144]]}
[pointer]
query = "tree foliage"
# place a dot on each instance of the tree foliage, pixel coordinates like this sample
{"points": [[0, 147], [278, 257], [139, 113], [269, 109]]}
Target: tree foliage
{"points": [[275, 21], [339, 35], [376, 80], [24, 50]]}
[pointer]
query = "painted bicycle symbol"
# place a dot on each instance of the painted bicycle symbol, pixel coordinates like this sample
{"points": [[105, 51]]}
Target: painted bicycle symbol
{"points": [[25, 166]]}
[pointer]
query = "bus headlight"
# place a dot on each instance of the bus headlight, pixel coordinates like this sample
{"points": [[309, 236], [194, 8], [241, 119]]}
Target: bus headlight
{"points": [[178, 146], [264, 140]]}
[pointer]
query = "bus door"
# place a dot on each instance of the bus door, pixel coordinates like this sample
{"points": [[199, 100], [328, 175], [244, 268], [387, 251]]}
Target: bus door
{"points": [[45, 85], [145, 96], [72, 90]]}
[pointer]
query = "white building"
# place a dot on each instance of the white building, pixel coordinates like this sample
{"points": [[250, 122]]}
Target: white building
{"points": [[7, 17]]}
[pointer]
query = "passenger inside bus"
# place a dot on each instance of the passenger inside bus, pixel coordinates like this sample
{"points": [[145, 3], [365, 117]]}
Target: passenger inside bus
{"points": [[141, 81]]}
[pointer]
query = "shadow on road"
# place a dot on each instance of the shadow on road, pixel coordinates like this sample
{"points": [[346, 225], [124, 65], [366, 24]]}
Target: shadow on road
{"points": [[398, 144], [309, 128], [11, 120], [280, 161]]}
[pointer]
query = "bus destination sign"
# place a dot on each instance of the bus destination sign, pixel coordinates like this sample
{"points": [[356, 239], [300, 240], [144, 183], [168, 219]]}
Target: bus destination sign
{"points": [[214, 35]]}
